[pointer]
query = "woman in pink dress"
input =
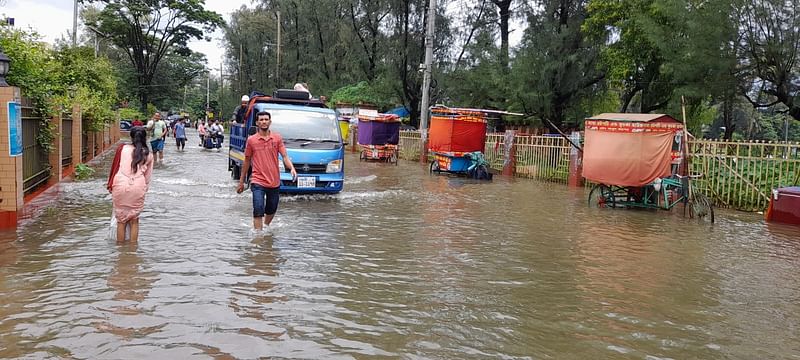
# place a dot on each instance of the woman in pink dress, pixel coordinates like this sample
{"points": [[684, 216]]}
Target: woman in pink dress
{"points": [[129, 182]]}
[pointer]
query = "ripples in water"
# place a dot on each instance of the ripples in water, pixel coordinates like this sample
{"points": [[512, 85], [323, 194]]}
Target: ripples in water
{"points": [[402, 264]]}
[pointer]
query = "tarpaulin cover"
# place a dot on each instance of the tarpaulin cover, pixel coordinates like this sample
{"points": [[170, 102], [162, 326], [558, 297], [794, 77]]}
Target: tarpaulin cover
{"points": [[378, 132], [626, 158], [447, 134]]}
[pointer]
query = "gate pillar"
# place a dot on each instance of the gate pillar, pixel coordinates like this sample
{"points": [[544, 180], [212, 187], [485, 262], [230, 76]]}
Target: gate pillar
{"points": [[575, 162], [77, 136], [509, 153], [11, 182], [54, 157]]}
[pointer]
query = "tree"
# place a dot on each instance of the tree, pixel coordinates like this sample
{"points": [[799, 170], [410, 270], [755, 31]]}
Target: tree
{"points": [[146, 31], [556, 66], [769, 52], [633, 60]]}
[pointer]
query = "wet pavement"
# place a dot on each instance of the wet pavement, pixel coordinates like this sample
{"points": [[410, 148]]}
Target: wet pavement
{"points": [[401, 264]]}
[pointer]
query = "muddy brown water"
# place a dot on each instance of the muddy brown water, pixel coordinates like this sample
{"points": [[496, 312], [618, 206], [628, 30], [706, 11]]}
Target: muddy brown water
{"points": [[401, 264]]}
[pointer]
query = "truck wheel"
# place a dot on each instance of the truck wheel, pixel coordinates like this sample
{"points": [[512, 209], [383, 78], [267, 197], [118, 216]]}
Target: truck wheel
{"points": [[236, 172]]}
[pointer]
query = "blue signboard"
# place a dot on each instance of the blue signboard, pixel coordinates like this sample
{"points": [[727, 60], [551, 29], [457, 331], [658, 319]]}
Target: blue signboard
{"points": [[14, 129]]}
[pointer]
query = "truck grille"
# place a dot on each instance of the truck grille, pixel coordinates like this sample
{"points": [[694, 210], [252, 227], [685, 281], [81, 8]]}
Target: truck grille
{"points": [[310, 168]]}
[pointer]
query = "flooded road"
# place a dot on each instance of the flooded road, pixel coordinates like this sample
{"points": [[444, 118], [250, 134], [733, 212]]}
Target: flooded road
{"points": [[402, 264]]}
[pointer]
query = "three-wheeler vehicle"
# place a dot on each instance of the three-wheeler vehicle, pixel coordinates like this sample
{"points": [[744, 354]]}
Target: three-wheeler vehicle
{"points": [[378, 137], [638, 161]]}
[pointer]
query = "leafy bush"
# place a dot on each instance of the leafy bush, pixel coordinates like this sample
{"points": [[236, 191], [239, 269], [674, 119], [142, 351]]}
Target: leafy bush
{"points": [[83, 171], [56, 79], [130, 114], [362, 92]]}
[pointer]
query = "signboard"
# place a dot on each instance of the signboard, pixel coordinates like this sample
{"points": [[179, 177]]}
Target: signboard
{"points": [[368, 112], [14, 129]]}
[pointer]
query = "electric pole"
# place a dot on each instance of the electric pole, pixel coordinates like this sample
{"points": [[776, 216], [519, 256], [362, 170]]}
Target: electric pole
{"points": [[241, 76], [426, 82], [221, 91], [75, 24], [278, 55], [208, 92]]}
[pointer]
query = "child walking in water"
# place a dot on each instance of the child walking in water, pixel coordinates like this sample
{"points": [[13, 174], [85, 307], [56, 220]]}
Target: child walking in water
{"points": [[128, 182]]}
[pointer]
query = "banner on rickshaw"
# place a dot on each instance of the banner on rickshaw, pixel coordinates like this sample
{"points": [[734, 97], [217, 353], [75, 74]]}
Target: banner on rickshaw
{"points": [[629, 149]]}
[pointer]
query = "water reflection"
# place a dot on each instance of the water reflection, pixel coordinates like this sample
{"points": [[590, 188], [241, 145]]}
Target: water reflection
{"points": [[402, 264], [252, 296], [127, 315]]}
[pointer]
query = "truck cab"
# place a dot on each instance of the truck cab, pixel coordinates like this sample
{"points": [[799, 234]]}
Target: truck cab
{"points": [[312, 137]]}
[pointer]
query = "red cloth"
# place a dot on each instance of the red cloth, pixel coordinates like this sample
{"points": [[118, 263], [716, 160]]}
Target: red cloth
{"points": [[263, 153], [626, 158], [449, 135], [114, 167]]}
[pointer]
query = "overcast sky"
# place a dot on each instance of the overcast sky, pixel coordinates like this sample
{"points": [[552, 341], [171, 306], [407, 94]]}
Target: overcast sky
{"points": [[53, 20]]}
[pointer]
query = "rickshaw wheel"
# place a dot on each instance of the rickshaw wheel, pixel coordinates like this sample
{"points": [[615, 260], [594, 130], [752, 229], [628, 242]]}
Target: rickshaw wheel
{"points": [[700, 207], [362, 156], [601, 196], [434, 166]]}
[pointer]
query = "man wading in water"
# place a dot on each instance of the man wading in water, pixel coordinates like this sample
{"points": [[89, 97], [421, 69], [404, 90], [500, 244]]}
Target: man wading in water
{"points": [[262, 151]]}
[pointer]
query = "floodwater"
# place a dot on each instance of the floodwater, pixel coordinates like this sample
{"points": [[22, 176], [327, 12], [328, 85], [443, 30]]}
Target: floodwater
{"points": [[402, 264]]}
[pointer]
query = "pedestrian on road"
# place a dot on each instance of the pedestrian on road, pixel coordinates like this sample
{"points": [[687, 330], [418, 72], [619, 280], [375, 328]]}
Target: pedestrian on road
{"points": [[128, 182], [158, 131], [201, 129], [180, 134], [262, 151]]}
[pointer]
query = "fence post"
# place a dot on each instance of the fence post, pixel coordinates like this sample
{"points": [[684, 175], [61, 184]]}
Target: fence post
{"points": [[54, 157], [575, 162], [510, 153], [11, 182], [77, 136], [354, 139], [115, 132]]}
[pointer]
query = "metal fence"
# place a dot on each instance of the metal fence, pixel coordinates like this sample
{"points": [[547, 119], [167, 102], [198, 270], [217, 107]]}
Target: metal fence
{"points": [[35, 166], [410, 145], [66, 140], [536, 157], [741, 175]]}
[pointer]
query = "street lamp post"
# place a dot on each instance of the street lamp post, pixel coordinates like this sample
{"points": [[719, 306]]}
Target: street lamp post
{"points": [[5, 63]]}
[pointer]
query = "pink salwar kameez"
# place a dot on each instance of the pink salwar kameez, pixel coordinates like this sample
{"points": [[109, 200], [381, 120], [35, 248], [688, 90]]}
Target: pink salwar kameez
{"points": [[128, 189]]}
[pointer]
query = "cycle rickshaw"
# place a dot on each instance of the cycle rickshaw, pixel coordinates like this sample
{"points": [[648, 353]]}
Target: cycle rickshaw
{"points": [[636, 160], [457, 140], [378, 137]]}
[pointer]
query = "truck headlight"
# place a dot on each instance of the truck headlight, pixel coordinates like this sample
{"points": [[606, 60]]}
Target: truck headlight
{"points": [[334, 166], [281, 167]]}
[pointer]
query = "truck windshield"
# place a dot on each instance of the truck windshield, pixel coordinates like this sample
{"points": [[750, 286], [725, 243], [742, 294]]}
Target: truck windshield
{"points": [[305, 125]]}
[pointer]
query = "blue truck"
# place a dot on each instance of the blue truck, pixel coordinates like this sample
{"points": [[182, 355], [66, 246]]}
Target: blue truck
{"points": [[311, 133]]}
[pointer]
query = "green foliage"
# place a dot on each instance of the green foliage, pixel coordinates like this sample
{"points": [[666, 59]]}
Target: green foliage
{"points": [[32, 67], [56, 79], [151, 109], [83, 171], [34, 70], [90, 82], [725, 184], [148, 32], [361, 93], [130, 113], [556, 66]]}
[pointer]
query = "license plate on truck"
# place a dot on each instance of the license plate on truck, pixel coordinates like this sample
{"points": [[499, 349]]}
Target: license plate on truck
{"points": [[306, 181]]}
